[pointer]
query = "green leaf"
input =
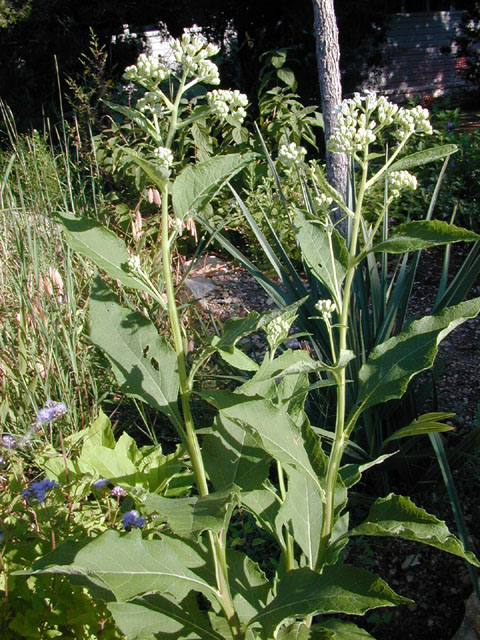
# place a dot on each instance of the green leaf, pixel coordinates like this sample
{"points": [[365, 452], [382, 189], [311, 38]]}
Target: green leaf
{"points": [[232, 457], [278, 434], [137, 116], [198, 184], [248, 584], [100, 245], [188, 517], [302, 514], [299, 631], [143, 362], [278, 59], [234, 329], [100, 433], [427, 423], [342, 630], [287, 76], [423, 234], [423, 157], [392, 364], [289, 363], [160, 616], [264, 505], [339, 588], [157, 175], [398, 516], [237, 358], [317, 245], [129, 566], [352, 473]]}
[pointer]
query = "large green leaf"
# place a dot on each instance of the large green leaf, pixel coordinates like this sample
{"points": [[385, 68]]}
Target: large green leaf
{"points": [[399, 517], [340, 588], [278, 434], [100, 245], [265, 504], [423, 157], [232, 456], [129, 566], [248, 584], [143, 362], [188, 517], [423, 234], [317, 244], [198, 184], [159, 616], [392, 364], [302, 513]]}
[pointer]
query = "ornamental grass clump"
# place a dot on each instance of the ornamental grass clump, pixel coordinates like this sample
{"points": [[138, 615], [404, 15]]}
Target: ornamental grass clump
{"points": [[260, 453]]}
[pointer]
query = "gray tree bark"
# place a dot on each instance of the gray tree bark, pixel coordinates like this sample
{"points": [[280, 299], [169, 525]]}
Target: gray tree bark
{"points": [[328, 64]]}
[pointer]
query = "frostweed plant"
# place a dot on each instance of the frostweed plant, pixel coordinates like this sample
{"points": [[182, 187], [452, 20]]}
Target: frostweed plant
{"points": [[178, 575]]}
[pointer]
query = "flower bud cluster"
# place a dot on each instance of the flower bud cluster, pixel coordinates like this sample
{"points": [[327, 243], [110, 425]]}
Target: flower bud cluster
{"points": [[291, 155], [323, 201], [150, 103], [148, 70], [192, 53], [352, 133], [362, 117], [134, 264], [164, 156], [326, 308], [228, 105], [399, 180], [414, 120]]}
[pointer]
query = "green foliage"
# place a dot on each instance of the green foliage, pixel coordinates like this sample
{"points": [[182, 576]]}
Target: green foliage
{"points": [[260, 453]]}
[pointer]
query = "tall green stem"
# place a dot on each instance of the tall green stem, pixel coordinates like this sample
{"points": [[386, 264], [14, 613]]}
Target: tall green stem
{"points": [[341, 380], [189, 435]]}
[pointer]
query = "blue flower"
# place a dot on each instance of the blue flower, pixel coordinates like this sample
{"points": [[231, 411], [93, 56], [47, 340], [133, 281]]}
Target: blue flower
{"points": [[50, 411], [99, 484], [7, 442], [39, 489], [133, 519]]}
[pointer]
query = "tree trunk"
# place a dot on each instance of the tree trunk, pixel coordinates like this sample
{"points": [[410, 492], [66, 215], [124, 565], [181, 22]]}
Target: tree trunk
{"points": [[328, 63]]}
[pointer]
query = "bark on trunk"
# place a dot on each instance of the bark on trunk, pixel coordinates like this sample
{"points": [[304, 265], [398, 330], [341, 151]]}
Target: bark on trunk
{"points": [[328, 63]]}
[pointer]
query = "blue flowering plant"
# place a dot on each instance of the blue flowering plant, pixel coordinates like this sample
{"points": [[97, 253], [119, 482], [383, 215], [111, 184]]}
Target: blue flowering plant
{"points": [[177, 575]]}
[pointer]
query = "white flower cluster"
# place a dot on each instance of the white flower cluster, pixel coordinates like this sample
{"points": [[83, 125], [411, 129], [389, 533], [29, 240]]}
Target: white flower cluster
{"points": [[134, 264], [148, 70], [353, 130], [192, 52], [291, 155], [277, 329], [228, 105], [361, 118], [399, 180], [164, 156], [414, 120], [323, 201], [326, 308]]}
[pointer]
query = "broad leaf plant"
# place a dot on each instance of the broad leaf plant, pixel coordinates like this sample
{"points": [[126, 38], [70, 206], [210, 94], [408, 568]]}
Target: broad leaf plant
{"points": [[178, 578]]}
